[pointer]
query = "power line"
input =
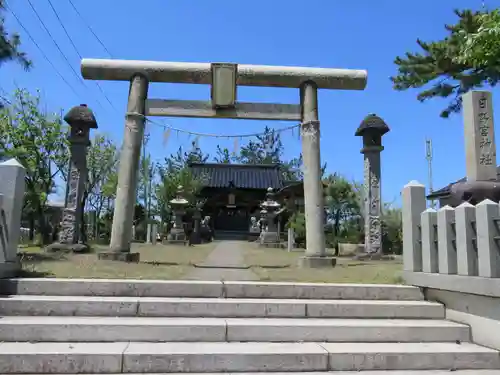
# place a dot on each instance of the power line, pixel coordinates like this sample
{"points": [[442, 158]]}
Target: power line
{"points": [[90, 28], [38, 47], [76, 49], [55, 43]]}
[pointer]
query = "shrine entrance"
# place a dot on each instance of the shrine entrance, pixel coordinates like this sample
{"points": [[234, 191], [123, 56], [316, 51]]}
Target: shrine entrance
{"points": [[224, 79]]}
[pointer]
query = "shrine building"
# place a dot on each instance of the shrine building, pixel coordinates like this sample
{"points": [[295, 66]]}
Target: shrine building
{"points": [[234, 192]]}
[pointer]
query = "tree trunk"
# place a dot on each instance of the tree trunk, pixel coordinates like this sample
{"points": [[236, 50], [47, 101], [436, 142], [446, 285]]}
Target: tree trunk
{"points": [[336, 230], [31, 227], [42, 225]]}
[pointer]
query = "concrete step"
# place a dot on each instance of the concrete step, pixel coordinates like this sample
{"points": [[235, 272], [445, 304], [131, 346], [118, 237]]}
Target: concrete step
{"points": [[111, 329], [28, 305], [391, 372], [206, 289], [130, 357]]}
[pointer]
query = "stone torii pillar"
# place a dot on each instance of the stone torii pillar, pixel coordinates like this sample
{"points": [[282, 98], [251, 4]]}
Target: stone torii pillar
{"points": [[130, 154], [372, 129], [224, 79]]}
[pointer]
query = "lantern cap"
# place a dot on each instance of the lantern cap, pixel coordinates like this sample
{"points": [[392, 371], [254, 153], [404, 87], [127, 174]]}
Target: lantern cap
{"points": [[372, 124]]}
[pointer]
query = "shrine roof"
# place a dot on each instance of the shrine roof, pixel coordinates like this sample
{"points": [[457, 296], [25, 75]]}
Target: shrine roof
{"points": [[446, 190], [240, 176]]}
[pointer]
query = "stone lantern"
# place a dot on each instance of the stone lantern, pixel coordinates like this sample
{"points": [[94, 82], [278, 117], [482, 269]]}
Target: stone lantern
{"points": [[271, 209], [178, 205], [372, 129], [80, 119]]}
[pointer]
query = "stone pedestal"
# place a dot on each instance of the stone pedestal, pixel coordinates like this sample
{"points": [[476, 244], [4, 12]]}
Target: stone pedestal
{"points": [[317, 262], [122, 257], [81, 120]]}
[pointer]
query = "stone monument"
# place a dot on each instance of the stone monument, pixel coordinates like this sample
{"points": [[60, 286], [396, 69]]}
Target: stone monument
{"points": [[372, 128], [80, 119], [12, 187], [480, 152], [178, 205]]}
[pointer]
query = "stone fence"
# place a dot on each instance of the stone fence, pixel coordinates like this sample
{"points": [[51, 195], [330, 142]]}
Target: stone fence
{"points": [[453, 254], [462, 241]]}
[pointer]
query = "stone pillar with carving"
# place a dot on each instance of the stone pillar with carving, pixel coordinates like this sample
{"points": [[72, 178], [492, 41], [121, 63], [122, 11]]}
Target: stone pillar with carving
{"points": [[372, 129], [80, 119]]}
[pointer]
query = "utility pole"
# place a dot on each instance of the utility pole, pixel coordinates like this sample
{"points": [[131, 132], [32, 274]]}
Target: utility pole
{"points": [[428, 156], [145, 174]]}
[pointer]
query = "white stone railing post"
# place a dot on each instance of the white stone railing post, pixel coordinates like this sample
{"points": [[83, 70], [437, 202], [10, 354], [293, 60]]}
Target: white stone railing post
{"points": [[465, 221], [487, 217], [12, 186], [414, 203], [428, 224], [447, 252]]}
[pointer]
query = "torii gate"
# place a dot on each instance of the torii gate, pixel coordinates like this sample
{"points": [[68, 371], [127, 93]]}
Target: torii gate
{"points": [[224, 79]]}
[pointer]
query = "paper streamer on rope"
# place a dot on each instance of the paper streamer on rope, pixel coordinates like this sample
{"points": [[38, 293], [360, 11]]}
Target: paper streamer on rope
{"points": [[166, 136], [196, 142], [235, 150]]}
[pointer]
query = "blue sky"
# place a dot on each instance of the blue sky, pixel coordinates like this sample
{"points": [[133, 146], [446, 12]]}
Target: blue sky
{"points": [[353, 34]]}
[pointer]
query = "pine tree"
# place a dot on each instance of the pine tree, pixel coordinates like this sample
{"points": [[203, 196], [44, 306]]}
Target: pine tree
{"points": [[9, 44], [441, 65]]}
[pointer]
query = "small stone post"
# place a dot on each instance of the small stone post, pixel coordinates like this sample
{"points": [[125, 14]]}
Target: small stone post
{"points": [[447, 240], [80, 119], [315, 254], [12, 187], [291, 239], [372, 128], [488, 251], [178, 205], [127, 173], [428, 223], [414, 204], [465, 217], [154, 233], [148, 233]]}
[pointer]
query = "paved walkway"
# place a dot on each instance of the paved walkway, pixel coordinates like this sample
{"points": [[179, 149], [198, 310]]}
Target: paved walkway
{"points": [[225, 262]]}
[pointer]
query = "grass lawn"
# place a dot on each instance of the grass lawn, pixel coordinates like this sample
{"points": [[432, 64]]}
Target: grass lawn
{"points": [[279, 265], [157, 262]]}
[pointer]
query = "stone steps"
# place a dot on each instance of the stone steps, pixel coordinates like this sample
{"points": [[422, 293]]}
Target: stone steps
{"points": [[35, 305], [394, 372], [129, 357], [111, 329], [142, 326], [207, 289]]}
